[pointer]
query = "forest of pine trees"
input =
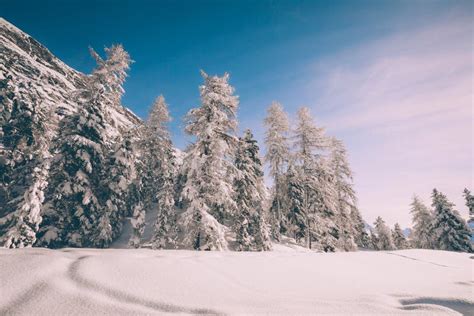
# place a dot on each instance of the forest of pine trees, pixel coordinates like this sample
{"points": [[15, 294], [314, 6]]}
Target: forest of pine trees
{"points": [[68, 182]]}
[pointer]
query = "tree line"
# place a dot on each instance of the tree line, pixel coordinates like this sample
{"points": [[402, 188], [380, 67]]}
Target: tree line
{"points": [[440, 227], [69, 182]]}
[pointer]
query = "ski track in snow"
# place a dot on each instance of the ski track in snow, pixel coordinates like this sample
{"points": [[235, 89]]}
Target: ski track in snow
{"points": [[411, 258], [28, 295], [73, 274]]}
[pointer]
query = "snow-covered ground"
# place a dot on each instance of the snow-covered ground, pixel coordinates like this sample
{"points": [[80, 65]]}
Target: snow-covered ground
{"points": [[287, 281]]}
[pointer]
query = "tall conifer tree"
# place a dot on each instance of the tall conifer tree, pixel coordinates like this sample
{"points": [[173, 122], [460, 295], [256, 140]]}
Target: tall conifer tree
{"points": [[208, 194]]}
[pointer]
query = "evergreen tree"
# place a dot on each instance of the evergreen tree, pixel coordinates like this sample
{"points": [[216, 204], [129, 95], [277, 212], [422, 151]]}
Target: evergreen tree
{"points": [[208, 194], [449, 228], [110, 74], [165, 235], [421, 236], [121, 174], [25, 136], [28, 218], [384, 236], [361, 238], [346, 198], [470, 204], [77, 213], [250, 225], [138, 226], [399, 238], [134, 204], [373, 241], [74, 209], [317, 181], [277, 156], [297, 212]]}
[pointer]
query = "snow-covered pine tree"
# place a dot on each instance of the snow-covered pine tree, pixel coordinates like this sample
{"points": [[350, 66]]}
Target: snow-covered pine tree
{"points": [[208, 194], [422, 235], [161, 164], [298, 209], [399, 239], [154, 163], [134, 207], [75, 214], [121, 174], [316, 176], [384, 235], [346, 198], [110, 74], [450, 230], [373, 241], [28, 217], [469, 203], [138, 225], [361, 237], [7, 162], [277, 156], [250, 226], [73, 210], [26, 133], [166, 230]]}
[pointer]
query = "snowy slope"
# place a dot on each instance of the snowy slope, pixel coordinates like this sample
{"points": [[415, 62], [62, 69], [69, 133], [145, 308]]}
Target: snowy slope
{"points": [[119, 282], [24, 61]]}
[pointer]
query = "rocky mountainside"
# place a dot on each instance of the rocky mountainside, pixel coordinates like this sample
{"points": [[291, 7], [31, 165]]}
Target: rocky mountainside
{"points": [[26, 62]]}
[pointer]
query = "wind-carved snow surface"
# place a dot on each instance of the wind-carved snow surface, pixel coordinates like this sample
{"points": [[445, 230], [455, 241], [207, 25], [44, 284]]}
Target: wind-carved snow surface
{"points": [[287, 281]]}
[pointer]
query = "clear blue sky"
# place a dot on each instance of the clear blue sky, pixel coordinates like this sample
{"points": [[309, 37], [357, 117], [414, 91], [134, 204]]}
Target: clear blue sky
{"points": [[369, 70]]}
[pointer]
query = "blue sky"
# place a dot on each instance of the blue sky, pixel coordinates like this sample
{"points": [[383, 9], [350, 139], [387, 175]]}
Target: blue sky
{"points": [[392, 79]]}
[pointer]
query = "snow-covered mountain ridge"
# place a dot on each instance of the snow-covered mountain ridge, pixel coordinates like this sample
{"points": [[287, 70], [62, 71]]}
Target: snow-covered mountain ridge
{"points": [[25, 61]]}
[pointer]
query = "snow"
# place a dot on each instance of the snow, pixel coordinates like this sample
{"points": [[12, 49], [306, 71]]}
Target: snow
{"points": [[282, 282]]}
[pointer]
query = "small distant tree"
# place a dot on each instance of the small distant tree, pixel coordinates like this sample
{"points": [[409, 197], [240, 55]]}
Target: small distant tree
{"points": [[361, 237], [469, 203], [450, 229], [422, 235], [399, 238], [373, 241], [384, 235]]}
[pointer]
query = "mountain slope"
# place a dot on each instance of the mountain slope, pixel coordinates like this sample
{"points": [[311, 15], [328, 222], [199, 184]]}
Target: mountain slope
{"points": [[24, 60]]}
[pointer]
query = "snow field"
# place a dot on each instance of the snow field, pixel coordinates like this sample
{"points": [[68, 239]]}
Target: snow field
{"points": [[282, 282]]}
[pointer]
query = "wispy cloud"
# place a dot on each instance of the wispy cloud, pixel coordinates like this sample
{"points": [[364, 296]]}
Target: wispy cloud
{"points": [[404, 106]]}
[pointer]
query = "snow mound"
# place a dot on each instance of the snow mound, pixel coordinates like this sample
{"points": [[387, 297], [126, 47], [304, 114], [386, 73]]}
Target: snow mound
{"points": [[119, 282]]}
